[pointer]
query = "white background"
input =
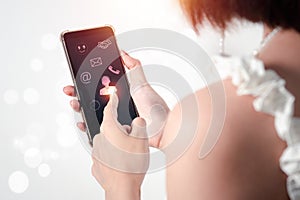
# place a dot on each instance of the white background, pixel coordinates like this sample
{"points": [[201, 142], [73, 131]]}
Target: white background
{"points": [[40, 155]]}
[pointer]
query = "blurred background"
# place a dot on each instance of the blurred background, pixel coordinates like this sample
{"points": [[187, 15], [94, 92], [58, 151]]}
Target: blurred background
{"points": [[40, 153]]}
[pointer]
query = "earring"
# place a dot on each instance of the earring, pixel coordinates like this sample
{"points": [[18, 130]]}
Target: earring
{"points": [[222, 44]]}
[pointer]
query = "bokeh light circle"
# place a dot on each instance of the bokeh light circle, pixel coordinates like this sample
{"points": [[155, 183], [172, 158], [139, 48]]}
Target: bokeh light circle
{"points": [[26, 142], [44, 170], [18, 182], [11, 96], [33, 157]]}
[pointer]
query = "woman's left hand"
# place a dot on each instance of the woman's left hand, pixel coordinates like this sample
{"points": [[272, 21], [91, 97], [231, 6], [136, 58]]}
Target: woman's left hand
{"points": [[120, 155]]}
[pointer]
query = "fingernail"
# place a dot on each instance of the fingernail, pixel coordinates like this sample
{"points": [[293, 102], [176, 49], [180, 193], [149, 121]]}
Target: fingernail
{"points": [[123, 53]]}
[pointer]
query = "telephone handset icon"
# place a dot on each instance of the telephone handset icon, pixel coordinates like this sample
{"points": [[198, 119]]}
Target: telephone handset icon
{"points": [[115, 71]]}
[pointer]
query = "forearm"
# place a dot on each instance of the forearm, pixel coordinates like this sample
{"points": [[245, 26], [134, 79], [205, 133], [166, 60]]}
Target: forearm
{"points": [[125, 193]]}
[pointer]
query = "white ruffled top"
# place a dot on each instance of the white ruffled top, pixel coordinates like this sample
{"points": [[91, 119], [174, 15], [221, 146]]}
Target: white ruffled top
{"points": [[250, 77]]}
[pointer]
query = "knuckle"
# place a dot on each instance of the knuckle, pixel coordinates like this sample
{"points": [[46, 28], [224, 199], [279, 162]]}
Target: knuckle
{"points": [[138, 62]]}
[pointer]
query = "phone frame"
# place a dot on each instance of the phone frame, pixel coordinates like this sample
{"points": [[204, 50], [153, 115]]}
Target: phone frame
{"points": [[74, 79]]}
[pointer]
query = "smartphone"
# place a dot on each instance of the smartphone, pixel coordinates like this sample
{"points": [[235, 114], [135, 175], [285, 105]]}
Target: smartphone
{"points": [[97, 71]]}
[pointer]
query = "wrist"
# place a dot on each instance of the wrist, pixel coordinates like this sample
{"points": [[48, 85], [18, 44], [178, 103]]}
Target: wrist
{"points": [[124, 192]]}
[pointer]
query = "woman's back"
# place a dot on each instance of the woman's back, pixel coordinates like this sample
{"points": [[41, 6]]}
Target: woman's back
{"points": [[244, 164]]}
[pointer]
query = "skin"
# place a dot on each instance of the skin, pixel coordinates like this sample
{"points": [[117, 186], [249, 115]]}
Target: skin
{"points": [[117, 183], [244, 163], [129, 139]]}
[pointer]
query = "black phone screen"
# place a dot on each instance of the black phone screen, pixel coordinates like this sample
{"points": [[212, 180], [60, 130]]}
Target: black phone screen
{"points": [[97, 70]]}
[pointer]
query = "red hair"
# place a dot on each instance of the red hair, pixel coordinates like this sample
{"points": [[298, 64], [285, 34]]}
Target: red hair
{"points": [[283, 13]]}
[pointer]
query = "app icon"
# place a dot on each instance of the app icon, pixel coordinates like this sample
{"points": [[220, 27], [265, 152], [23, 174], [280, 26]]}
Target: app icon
{"points": [[86, 77], [95, 62], [113, 70], [104, 44], [95, 105], [107, 90], [81, 48]]}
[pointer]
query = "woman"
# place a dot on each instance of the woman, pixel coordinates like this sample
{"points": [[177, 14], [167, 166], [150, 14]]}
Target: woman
{"points": [[244, 164]]}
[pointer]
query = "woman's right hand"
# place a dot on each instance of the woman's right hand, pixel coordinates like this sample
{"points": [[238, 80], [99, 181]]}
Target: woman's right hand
{"points": [[149, 104]]}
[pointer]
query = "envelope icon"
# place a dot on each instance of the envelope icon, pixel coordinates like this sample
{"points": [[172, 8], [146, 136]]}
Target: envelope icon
{"points": [[95, 62]]}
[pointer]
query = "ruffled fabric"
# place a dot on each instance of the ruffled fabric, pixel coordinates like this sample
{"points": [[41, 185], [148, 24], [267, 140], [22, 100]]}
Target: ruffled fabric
{"points": [[249, 75]]}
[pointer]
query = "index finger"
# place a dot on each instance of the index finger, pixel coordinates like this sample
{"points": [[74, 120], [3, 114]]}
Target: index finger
{"points": [[110, 111]]}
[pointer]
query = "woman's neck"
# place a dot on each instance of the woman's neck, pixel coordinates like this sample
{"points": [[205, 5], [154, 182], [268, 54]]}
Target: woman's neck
{"points": [[283, 50]]}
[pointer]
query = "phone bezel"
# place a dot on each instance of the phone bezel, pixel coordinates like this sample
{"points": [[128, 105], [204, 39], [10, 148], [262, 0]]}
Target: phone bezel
{"points": [[62, 37]]}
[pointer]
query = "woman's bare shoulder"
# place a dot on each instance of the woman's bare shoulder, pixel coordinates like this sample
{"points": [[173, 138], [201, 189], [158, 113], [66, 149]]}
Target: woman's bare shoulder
{"points": [[244, 161], [234, 110]]}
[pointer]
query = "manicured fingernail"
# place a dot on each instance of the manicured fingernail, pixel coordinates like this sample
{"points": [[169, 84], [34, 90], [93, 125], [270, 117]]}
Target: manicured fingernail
{"points": [[123, 53]]}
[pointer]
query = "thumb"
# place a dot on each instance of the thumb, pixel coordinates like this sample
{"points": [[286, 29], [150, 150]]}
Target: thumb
{"points": [[138, 128], [129, 61], [136, 74]]}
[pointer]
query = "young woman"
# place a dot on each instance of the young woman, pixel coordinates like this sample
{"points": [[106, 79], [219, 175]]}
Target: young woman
{"points": [[258, 153]]}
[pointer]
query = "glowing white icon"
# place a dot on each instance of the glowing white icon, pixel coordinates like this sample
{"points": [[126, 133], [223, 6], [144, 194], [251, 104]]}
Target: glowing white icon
{"points": [[95, 62], [81, 48], [104, 44], [95, 105], [114, 71], [107, 90], [86, 77]]}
